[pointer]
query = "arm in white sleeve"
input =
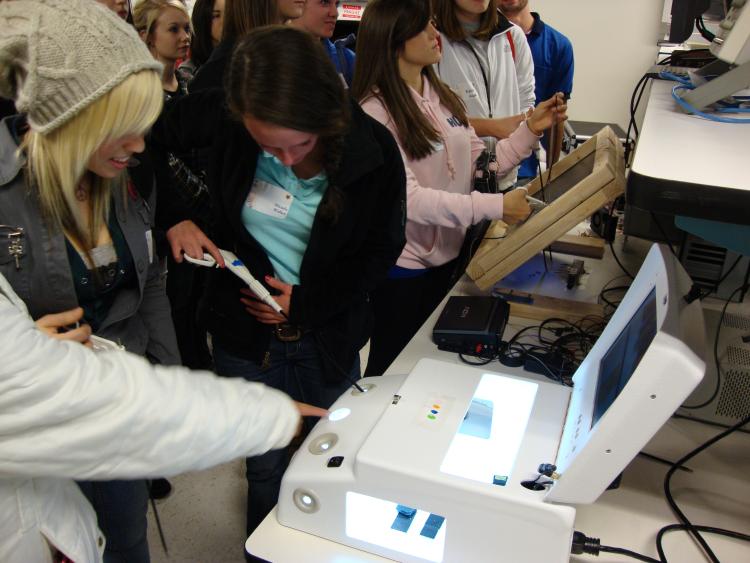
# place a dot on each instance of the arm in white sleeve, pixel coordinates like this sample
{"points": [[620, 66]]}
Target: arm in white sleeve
{"points": [[66, 411], [524, 69]]}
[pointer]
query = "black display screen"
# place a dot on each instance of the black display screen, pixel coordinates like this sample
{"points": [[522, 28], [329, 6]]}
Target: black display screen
{"points": [[620, 361]]}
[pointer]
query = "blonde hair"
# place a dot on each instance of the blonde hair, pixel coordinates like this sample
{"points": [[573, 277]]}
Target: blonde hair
{"points": [[58, 160], [146, 12]]}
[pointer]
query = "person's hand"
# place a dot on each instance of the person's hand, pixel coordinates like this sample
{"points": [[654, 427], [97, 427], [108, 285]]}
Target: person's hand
{"points": [[56, 326], [263, 312], [187, 237], [307, 410], [547, 114], [515, 207]]}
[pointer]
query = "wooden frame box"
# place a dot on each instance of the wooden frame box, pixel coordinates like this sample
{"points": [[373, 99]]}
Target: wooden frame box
{"points": [[584, 181]]}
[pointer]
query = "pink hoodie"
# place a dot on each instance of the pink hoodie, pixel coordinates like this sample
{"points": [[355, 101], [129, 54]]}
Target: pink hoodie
{"points": [[440, 201]]}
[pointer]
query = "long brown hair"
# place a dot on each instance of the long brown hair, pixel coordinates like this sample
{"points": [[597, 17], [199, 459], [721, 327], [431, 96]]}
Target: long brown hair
{"points": [[447, 21], [241, 16], [284, 76], [202, 44], [386, 25]]}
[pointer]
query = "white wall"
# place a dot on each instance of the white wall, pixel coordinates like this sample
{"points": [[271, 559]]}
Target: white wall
{"points": [[614, 42]]}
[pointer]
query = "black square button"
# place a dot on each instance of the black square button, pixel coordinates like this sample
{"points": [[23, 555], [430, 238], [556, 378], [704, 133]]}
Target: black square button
{"points": [[336, 461]]}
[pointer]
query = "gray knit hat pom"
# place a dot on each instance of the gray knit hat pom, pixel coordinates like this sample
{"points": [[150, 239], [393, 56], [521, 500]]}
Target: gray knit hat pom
{"points": [[59, 56]]}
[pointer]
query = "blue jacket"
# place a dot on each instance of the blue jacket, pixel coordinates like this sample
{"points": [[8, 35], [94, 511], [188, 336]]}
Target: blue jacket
{"points": [[553, 71], [342, 57]]}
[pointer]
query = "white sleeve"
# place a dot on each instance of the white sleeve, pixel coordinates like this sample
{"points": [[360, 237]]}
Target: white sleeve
{"points": [[66, 411], [524, 69]]}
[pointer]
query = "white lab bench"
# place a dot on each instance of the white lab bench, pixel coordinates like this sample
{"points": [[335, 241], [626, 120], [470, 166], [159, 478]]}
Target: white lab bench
{"points": [[686, 165]]}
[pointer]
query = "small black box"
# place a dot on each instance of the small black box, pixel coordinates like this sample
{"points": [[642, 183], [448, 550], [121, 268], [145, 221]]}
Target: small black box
{"points": [[471, 325]]}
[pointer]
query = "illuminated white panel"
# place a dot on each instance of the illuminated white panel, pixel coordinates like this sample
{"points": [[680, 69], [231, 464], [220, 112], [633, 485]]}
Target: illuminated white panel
{"points": [[509, 402], [370, 519]]}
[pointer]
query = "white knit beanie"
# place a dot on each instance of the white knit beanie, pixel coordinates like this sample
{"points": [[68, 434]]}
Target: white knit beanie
{"points": [[59, 56]]}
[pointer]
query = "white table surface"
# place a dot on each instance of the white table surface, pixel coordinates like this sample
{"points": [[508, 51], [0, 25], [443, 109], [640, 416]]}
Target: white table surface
{"points": [[717, 493], [676, 146], [687, 165]]}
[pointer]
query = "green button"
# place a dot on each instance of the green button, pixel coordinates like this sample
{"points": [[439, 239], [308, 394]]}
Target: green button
{"points": [[431, 416]]}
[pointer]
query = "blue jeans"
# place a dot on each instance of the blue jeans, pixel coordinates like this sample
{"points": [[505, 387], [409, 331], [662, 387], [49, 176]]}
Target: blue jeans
{"points": [[294, 368], [121, 515]]}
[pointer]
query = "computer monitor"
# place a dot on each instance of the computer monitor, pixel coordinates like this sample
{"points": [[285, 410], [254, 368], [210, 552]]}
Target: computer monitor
{"points": [[644, 365]]}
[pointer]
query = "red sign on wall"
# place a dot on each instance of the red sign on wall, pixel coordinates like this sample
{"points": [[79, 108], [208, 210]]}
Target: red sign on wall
{"points": [[351, 11]]}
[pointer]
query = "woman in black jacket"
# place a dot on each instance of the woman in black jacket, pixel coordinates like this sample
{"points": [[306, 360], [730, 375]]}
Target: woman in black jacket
{"points": [[309, 193], [241, 16]]}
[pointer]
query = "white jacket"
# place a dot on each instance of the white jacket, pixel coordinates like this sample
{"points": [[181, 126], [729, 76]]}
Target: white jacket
{"points": [[511, 81], [69, 413]]}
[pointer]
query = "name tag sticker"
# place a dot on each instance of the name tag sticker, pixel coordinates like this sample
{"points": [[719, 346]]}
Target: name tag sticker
{"points": [[269, 199]]}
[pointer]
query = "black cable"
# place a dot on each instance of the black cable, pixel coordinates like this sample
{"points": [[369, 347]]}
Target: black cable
{"points": [[612, 247], [635, 101], [484, 361], [691, 528], [663, 461], [335, 364], [584, 544], [623, 268], [554, 376], [637, 105], [557, 357], [607, 289], [634, 98], [716, 354], [704, 31], [542, 183], [627, 553], [158, 524], [607, 301], [663, 234], [706, 529]]}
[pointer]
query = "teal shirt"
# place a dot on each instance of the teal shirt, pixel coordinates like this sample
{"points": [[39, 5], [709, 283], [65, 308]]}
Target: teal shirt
{"points": [[279, 214]]}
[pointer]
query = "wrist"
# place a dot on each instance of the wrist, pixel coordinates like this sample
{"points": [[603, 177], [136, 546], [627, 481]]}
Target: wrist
{"points": [[532, 129]]}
